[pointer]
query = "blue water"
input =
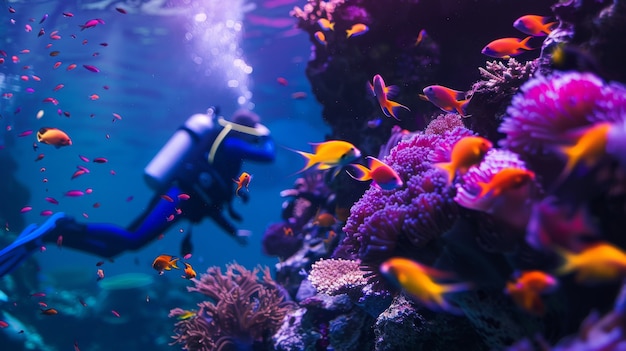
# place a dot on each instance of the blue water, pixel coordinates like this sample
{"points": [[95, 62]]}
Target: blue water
{"points": [[159, 67]]}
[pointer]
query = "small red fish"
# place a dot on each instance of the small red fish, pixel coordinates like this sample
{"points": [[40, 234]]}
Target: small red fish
{"points": [[74, 193], [115, 313], [25, 209], [100, 274], [167, 198], [507, 47], [100, 160], [52, 200], [183, 196], [49, 311], [91, 23], [53, 136], [3, 324], [282, 81], [92, 68], [71, 67]]}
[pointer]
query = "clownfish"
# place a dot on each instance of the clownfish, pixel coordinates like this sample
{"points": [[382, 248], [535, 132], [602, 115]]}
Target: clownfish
{"points": [[164, 263], [383, 93], [243, 181], [506, 47], [330, 154], [446, 99], [53, 136], [534, 25], [466, 153], [417, 281], [383, 176], [527, 288]]}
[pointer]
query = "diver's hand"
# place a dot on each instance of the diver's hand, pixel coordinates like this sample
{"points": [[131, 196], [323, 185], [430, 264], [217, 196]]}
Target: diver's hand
{"points": [[242, 237]]}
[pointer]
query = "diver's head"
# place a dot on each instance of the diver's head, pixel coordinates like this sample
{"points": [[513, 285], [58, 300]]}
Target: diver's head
{"points": [[245, 118], [247, 122]]}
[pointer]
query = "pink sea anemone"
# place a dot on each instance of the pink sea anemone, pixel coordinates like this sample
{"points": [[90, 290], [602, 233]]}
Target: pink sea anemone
{"points": [[542, 116]]}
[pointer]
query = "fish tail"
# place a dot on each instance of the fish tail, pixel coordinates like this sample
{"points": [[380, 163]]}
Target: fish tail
{"points": [[363, 173], [461, 107], [451, 288], [572, 159], [547, 28], [524, 43], [173, 263], [310, 160], [448, 167], [393, 108], [569, 261]]}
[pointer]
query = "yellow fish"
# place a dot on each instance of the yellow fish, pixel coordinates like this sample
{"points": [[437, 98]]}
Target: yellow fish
{"points": [[186, 315], [505, 179], [599, 263], [325, 24], [357, 30], [417, 281], [527, 288], [330, 154], [189, 272]]}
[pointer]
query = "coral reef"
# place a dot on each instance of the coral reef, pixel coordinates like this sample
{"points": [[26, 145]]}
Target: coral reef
{"points": [[402, 221], [336, 276], [241, 310]]}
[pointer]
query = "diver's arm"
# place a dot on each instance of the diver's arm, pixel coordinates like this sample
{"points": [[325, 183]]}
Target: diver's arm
{"points": [[262, 149]]}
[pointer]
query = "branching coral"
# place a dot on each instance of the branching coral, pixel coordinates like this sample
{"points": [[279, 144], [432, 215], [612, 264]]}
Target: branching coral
{"points": [[241, 311], [382, 222]]}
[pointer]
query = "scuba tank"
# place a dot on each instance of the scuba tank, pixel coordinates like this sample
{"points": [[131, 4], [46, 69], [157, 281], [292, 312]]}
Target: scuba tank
{"points": [[169, 162]]}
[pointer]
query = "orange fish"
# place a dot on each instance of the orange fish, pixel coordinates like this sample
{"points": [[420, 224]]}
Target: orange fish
{"points": [[53, 136], [320, 37], [534, 25], [243, 181], [357, 30], [446, 99], [325, 24], [526, 289], [325, 220], [164, 263], [383, 93], [589, 148], [189, 272], [417, 281], [506, 47], [466, 153], [505, 179], [384, 176], [599, 263]]}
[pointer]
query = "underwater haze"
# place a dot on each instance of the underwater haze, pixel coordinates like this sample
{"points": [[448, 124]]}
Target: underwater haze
{"points": [[282, 175]]}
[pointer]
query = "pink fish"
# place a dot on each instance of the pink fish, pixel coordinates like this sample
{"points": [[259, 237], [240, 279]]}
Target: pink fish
{"points": [[115, 313], [46, 213], [59, 86], [100, 160], [83, 158], [74, 193], [25, 133], [25, 209], [52, 200], [78, 173], [91, 23], [91, 68], [51, 100]]}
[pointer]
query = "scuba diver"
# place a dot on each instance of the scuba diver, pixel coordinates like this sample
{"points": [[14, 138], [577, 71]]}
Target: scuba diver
{"points": [[193, 178]]}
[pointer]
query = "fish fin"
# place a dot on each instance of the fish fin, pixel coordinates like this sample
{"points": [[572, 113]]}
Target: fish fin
{"points": [[524, 43], [375, 163], [548, 27], [461, 106], [348, 33], [392, 91], [173, 263], [423, 97], [457, 287], [393, 108], [568, 261], [363, 173], [572, 159], [310, 160], [447, 167]]}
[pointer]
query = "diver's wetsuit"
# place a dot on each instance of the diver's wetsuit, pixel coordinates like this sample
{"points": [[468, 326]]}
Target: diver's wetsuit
{"points": [[206, 176]]}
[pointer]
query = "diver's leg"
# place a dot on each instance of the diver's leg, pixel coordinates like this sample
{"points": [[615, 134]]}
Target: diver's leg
{"points": [[26, 243], [108, 240]]}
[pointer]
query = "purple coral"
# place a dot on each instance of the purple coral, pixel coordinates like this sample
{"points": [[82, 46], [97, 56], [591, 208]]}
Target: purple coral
{"points": [[415, 213], [540, 118], [240, 311]]}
